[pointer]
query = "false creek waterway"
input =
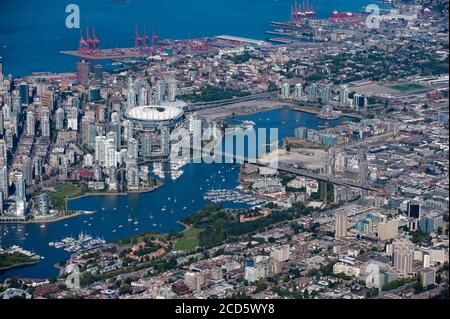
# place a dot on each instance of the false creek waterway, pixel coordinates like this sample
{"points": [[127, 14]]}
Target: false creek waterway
{"points": [[117, 217]]}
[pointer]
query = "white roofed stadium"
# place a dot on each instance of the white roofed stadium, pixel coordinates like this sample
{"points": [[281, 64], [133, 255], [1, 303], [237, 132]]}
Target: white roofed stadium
{"points": [[152, 116]]}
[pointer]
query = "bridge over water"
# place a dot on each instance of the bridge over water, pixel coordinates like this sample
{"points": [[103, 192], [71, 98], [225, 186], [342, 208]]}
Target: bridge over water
{"points": [[283, 167]]}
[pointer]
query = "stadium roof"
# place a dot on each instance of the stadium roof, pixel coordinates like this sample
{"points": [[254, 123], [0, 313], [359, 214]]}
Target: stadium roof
{"points": [[153, 113]]}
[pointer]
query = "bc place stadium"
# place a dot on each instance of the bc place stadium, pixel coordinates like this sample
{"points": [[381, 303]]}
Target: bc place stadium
{"points": [[149, 117]]}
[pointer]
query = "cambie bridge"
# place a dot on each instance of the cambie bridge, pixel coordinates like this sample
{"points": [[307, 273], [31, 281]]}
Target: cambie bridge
{"points": [[283, 167], [279, 166]]}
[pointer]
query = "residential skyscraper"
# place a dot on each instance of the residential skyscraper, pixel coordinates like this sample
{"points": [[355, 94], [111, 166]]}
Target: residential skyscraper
{"points": [[116, 128], [111, 135], [298, 91], [132, 148], [110, 152], [1, 203], [31, 124], [4, 181], [37, 168], [45, 123], [15, 122], [98, 72], [43, 204], [59, 119], [20, 187], [100, 155], [83, 72], [326, 95], [387, 230], [132, 174], [27, 170], [312, 92], [403, 252], [144, 94], [172, 90], [146, 145], [359, 101], [72, 118], [132, 95], [281, 253], [127, 129], [285, 90], [341, 225], [160, 91], [21, 202], [24, 93], [2, 124], [343, 95], [88, 132], [428, 277], [3, 151], [165, 140]]}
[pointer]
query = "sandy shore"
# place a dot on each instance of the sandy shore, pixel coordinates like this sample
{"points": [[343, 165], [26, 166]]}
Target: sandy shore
{"points": [[186, 226]]}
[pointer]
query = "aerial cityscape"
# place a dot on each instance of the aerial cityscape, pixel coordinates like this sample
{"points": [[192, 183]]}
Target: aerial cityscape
{"points": [[308, 159]]}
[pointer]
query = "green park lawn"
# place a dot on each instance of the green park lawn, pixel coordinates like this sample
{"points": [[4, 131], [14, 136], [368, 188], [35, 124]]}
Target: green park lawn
{"points": [[65, 191], [189, 241], [16, 258]]}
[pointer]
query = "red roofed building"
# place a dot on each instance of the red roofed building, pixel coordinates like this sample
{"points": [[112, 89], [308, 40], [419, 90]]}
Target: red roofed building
{"points": [[346, 18], [435, 95], [85, 174]]}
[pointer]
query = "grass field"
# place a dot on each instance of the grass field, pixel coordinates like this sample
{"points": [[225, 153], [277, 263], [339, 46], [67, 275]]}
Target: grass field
{"points": [[58, 198], [189, 240], [140, 238], [406, 87], [14, 259]]}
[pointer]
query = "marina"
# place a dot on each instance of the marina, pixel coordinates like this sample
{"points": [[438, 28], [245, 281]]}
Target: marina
{"points": [[236, 196], [81, 243]]}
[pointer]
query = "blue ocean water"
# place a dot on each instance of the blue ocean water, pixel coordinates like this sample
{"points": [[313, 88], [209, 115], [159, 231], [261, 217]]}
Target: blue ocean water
{"points": [[33, 32], [179, 197]]}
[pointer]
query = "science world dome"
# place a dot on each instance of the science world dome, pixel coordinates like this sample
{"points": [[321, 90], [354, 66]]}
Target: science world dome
{"points": [[327, 109]]}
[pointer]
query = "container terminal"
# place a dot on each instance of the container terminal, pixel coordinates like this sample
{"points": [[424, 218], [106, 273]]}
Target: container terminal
{"points": [[145, 45]]}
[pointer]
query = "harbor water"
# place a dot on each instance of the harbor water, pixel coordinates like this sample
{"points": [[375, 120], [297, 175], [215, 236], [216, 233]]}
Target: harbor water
{"points": [[32, 34]]}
